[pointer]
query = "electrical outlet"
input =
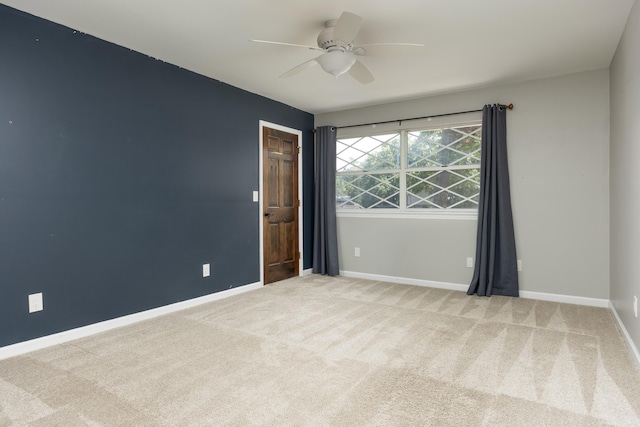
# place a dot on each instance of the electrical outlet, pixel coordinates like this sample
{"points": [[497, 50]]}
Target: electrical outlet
{"points": [[635, 306], [206, 270], [470, 262], [35, 302], [519, 265], [357, 252]]}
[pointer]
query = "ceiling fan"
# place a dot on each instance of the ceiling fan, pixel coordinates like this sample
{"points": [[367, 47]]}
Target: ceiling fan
{"points": [[339, 51]]}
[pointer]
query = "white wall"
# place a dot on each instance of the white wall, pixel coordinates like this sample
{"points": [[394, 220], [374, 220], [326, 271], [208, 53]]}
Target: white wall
{"points": [[558, 142], [625, 175]]}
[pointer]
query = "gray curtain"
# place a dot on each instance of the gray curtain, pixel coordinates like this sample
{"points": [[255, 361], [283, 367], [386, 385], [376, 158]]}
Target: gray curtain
{"points": [[496, 268], [325, 240]]}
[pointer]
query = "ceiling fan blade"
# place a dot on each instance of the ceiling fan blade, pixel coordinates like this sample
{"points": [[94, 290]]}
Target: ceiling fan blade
{"points": [[347, 27], [289, 44], [389, 49], [299, 68], [361, 73]]}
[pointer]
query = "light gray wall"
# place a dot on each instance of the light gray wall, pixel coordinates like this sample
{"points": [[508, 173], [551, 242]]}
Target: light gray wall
{"points": [[433, 250], [625, 175], [558, 139]]}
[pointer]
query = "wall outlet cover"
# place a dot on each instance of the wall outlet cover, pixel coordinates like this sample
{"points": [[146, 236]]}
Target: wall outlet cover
{"points": [[206, 270], [35, 302]]}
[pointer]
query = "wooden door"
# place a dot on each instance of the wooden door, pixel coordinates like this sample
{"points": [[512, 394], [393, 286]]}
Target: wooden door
{"points": [[280, 201]]}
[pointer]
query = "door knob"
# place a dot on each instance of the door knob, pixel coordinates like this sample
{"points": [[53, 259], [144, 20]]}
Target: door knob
{"points": [[267, 214]]}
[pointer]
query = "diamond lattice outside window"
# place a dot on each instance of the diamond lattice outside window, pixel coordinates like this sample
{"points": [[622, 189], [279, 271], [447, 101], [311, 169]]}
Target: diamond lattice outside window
{"points": [[410, 170]]}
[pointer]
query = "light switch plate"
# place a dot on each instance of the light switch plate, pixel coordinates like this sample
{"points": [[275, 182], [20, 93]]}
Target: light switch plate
{"points": [[256, 196], [206, 270]]}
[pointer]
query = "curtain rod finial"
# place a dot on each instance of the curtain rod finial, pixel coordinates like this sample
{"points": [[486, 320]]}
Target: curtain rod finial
{"points": [[510, 106]]}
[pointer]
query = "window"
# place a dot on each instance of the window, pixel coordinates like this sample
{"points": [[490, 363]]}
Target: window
{"points": [[425, 170]]}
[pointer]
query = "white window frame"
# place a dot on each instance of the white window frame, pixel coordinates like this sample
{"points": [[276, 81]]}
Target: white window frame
{"points": [[404, 129]]}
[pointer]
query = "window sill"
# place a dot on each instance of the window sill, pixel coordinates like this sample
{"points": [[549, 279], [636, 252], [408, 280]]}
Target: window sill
{"points": [[466, 214]]}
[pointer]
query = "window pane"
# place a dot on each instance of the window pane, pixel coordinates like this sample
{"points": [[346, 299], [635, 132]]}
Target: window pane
{"points": [[444, 147], [423, 148], [369, 191], [443, 189], [368, 153]]}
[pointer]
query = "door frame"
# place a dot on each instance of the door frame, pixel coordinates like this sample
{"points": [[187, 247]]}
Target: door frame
{"points": [[264, 124]]}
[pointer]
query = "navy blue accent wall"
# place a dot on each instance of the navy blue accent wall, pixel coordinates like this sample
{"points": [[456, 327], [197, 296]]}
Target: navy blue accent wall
{"points": [[120, 175]]}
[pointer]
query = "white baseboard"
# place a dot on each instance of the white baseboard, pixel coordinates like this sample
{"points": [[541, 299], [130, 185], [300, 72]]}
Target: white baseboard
{"points": [[406, 281], [85, 331], [625, 333], [567, 299]]}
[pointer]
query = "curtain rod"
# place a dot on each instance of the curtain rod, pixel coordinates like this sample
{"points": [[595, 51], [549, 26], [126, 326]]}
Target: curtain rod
{"points": [[399, 121]]}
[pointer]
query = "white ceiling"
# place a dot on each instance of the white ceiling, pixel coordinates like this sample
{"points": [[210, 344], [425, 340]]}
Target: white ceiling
{"points": [[470, 43]]}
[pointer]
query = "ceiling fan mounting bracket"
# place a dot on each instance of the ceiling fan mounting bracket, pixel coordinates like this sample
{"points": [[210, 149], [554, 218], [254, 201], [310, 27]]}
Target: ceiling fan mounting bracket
{"points": [[330, 23], [326, 41]]}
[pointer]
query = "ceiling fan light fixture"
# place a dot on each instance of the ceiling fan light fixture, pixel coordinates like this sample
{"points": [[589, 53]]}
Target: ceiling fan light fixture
{"points": [[336, 62]]}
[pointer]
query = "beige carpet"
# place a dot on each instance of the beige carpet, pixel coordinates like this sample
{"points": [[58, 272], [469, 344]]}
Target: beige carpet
{"points": [[320, 351]]}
